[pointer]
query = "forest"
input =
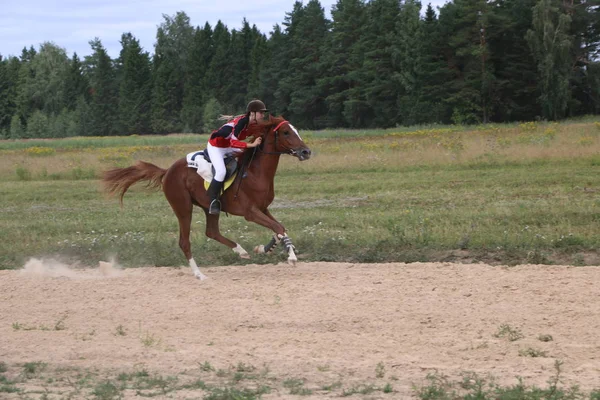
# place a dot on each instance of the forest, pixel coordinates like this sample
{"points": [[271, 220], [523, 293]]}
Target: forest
{"points": [[375, 64]]}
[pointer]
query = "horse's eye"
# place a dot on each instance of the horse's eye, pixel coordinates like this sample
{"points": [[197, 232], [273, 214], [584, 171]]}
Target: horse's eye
{"points": [[286, 133]]}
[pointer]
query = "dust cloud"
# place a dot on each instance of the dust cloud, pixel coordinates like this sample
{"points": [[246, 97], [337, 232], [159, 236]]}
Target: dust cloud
{"points": [[51, 268]]}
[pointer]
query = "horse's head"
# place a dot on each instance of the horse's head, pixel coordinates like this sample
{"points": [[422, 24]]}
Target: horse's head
{"points": [[281, 137]]}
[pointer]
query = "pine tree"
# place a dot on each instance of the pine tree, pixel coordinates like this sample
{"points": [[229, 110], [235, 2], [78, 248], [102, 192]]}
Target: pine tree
{"points": [[9, 93], [465, 22], [220, 68], [307, 32], [195, 89], [408, 61], [25, 104], [164, 94], [343, 56], [282, 53], [135, 87], [76, 84], [9, 74], [585, 51], [433, 74], [593, 83], [171, 53], [103, 111], [274, 65], [512, 60], [242, 43], [378, 69], [257, 61]]}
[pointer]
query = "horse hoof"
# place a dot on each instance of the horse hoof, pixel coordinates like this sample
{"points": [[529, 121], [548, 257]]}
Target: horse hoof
{"points": [[260, 249], [239, 250], [201, 276], [292, 261]]}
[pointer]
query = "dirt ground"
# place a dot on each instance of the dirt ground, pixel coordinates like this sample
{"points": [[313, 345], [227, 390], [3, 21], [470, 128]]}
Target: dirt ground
{"points": [[326, 325]]}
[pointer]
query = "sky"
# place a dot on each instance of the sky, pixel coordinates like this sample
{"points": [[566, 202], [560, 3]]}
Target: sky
{"points": [[71, 24]]}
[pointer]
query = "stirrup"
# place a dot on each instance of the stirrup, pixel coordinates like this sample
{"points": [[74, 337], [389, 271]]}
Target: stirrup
{"points": [[215, 207]]}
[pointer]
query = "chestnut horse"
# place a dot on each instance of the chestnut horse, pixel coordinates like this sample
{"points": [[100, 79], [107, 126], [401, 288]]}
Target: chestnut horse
{"points": [[249, 196]]}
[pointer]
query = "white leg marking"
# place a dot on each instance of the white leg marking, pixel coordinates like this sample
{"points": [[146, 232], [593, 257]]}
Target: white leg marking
{"points": [[240, 250], [292, 256], [196, 270], [260, 249]]}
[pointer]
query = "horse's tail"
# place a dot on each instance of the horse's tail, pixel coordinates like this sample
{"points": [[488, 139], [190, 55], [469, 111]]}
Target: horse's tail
{"points": [[118, 180]]}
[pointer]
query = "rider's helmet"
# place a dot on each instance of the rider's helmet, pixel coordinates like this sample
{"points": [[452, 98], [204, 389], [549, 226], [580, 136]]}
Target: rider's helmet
{"points": [[256, 106]]}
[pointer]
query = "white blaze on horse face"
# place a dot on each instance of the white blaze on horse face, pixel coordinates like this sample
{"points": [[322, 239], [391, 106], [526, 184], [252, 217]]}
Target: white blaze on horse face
{"points": [[196, 270], [295, 131]]}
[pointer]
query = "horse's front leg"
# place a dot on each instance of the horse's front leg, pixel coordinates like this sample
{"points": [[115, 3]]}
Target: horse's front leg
{"points": [[269, 247], [213, 232], [267, 220]]}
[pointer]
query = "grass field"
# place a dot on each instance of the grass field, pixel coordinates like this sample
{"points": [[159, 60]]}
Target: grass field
{"points": [[500, 194], [247, 382]]}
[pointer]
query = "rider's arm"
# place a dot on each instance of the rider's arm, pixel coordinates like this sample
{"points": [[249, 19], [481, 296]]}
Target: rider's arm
{"points": [[223, 131], [242, 123], [220, 138], [238, 144]]}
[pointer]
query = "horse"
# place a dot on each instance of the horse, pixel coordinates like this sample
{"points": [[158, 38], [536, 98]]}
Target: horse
{"points": [[249, 195]]}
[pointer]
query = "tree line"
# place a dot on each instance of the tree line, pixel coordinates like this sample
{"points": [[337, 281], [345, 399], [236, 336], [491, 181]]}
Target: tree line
{"points": [[375, 64]]}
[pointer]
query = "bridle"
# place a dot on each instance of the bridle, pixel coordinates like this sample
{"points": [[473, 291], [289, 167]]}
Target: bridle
{"points": [[276, 131]]}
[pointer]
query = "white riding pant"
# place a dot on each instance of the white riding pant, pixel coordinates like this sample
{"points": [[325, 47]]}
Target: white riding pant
{"points": [[217, 155]]}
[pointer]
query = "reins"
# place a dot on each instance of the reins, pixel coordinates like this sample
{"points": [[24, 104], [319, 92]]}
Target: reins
{"points": [[259, 148], [242, 171]]}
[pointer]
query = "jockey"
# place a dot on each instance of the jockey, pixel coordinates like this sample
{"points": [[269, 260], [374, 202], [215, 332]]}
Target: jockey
{"points": [[227, 140]]}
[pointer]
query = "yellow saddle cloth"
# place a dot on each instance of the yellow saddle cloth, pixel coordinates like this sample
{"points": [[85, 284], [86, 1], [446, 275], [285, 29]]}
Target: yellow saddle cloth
{"points": [[227, 183]]}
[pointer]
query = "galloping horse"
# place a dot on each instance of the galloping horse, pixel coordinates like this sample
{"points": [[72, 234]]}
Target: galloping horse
{"points": [[249, 196]]}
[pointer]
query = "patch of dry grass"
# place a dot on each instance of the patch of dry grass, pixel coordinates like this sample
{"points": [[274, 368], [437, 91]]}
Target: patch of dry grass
{"points": [[389, 149]]}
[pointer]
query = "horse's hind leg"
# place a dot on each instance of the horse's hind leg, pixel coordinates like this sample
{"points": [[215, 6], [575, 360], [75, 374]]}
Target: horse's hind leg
{"points": [[183, 208], [213, 232]]}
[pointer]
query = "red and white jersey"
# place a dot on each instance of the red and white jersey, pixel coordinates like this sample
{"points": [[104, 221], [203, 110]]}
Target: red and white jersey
{"points": [[231, 134]]}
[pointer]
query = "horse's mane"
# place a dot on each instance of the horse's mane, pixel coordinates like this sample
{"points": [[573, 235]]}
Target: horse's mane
{"points": [[260, 127]]}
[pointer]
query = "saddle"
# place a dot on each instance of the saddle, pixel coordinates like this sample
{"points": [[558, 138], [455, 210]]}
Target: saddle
{"points": [[201, 161]]}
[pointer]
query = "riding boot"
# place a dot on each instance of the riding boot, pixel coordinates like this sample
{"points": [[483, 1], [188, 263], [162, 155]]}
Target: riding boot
{"points": [[214, 193]]}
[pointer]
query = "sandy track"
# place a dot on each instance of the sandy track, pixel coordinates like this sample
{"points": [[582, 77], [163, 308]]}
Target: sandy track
{"points": [[321, 322]]}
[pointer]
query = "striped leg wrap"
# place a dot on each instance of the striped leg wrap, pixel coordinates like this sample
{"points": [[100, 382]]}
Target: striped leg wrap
{"points": [[287, 242], [271, 245]]}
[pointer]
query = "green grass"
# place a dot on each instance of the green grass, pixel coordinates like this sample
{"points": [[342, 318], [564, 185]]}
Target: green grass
{"points": [[509, 333], [531, 352], [473, 386], [207, 383], [446, 197]]}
